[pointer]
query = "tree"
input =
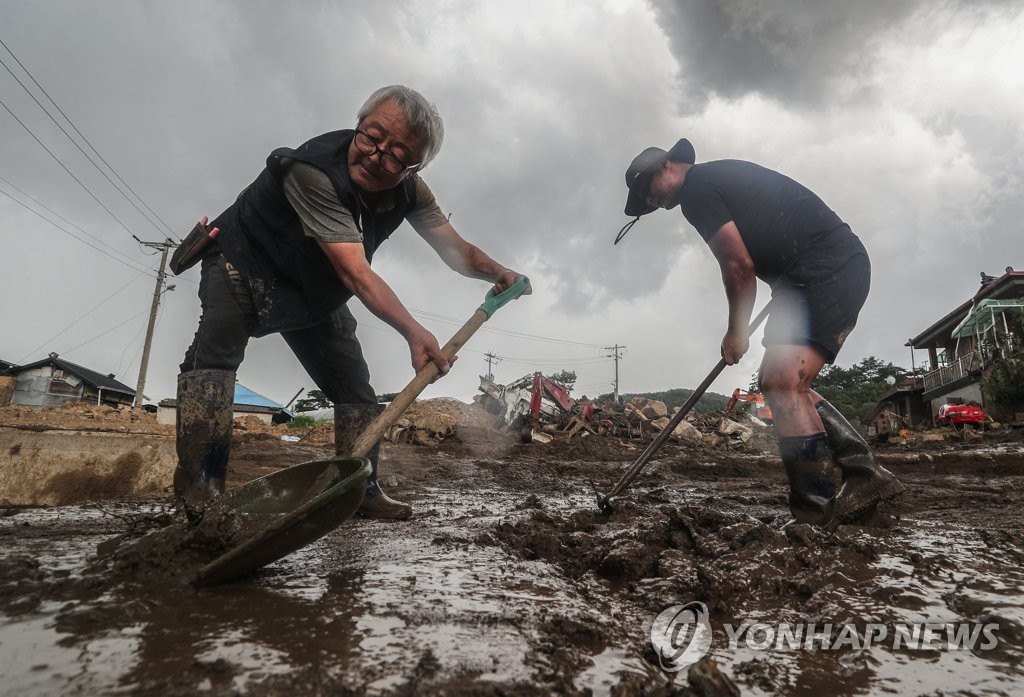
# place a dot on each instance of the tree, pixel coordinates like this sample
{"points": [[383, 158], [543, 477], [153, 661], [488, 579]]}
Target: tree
{"points": [[1004, 384], [565, 377], [314, 399], [709, 401], [855, 391]]}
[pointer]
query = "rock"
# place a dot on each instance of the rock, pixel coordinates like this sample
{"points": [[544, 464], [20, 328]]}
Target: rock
{"points": [[650, 408], [687, 432], [540, 437], [728, 427]]}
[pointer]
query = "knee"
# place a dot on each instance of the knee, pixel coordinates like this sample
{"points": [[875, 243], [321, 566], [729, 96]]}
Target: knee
{"points": [[784, 392]]}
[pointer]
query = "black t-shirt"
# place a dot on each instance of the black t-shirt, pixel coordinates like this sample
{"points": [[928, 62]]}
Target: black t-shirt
{"points": [[779, 219]]}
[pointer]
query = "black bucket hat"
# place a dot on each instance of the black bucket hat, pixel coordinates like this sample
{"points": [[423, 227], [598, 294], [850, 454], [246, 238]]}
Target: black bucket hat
{"points": [[638, 178], [639, 173]]}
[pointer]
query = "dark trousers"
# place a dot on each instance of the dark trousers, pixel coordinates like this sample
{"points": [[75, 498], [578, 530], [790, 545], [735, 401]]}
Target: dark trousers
{"points": [[329, 350]]}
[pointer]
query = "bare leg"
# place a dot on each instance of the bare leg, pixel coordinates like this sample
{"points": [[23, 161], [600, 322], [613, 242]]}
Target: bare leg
{"points": [[786, 376], [787, 373]]}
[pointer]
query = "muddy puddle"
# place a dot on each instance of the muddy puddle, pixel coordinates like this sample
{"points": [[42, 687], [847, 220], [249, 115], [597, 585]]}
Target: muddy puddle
{"points": [[510, 581]]}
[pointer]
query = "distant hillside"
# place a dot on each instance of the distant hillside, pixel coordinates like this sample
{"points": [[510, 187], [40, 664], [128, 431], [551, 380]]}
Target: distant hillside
{"points": [[711, 401]]}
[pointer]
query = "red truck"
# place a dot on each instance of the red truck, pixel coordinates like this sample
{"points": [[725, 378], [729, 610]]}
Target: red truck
{"points": [[960, 414]]}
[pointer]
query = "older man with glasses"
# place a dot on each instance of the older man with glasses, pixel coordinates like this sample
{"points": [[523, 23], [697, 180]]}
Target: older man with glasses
{"points": [[286, 257]]}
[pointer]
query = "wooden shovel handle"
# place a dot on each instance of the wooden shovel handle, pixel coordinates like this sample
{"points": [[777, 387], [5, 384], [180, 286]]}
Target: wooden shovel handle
{"points": [[387, 418]]}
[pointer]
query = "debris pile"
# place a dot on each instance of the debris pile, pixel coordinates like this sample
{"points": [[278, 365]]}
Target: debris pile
{"points": [[542, 411]]}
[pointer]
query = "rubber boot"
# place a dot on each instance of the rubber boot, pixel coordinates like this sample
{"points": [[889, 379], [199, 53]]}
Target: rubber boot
{"points": [[349, 422], [812, 488], [203, 437], [865, 482]]}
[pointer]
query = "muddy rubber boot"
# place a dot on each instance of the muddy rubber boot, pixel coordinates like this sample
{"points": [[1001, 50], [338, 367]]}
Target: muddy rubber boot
{"points": [[203, 437], [865, 482], [349, 422], [812, 489]]}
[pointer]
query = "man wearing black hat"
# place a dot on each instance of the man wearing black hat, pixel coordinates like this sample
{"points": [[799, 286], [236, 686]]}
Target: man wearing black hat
{"points": [[762, 224]]}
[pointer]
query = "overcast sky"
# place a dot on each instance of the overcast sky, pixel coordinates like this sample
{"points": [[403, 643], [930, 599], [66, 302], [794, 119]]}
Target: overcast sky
{"points": [[907, 118]]}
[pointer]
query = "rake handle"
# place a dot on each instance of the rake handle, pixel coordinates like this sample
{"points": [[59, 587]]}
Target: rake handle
{"points": [[648, 453]]}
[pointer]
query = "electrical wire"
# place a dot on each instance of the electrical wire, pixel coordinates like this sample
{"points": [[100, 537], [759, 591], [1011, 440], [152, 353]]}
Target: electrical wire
{"points": [[96, 307], [74, 236], [64, 167], [498, 330], [58, 215], [80, 135]]}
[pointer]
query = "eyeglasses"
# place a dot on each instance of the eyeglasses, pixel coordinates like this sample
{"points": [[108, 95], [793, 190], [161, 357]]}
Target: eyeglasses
{"points": [[368, 145]]}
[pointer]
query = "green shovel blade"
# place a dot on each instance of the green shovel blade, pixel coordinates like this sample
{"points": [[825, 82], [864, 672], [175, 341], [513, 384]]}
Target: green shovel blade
{"points": [[290, 509]]}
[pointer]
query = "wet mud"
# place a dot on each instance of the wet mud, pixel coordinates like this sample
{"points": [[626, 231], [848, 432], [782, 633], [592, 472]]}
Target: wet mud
{"points": [[509, 580]]}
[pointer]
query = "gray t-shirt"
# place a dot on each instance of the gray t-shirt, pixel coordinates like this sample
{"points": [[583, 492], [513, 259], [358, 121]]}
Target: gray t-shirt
{"points": [[324, 218]]}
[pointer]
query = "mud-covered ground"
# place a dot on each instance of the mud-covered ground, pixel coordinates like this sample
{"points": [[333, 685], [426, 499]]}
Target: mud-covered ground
{"points": [[510, 581]]}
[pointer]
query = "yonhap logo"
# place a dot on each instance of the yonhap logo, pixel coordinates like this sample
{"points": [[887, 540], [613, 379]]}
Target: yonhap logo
{"points": [[681, 635]]}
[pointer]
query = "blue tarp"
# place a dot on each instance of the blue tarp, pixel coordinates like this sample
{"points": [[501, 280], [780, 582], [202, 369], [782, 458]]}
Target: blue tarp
{"points": [[245, 396]]}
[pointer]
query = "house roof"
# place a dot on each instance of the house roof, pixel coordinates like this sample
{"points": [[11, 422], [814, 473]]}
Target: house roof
{"points": [[89, 377], [1008, 286], [247, 399], [983, 315], [5, 366]]}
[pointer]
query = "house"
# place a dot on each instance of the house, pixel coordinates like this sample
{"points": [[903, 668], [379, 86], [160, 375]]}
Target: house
{"points": [[53, 381], [962, 345], [247, 403], [6, 382], [901, 407]]}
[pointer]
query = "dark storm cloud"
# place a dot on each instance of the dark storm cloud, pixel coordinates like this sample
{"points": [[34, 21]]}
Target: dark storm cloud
{"points": [[903, 116], [800, 52]]}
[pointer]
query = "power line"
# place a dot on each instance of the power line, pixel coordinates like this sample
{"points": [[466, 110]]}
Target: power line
{"points": [[57, 160], [80, 135], [497, 330], [485, 328], [104, 333], [71, 234], [82, 317], [58, 215]]}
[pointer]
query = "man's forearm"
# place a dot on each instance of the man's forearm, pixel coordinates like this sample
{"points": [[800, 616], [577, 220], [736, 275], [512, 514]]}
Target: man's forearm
{"points": [[476, 264], [379, 299], [741, 291]]}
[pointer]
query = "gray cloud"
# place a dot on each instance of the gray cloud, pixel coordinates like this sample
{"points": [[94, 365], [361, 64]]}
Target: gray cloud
{"points": [[905, 117], [804, 53]]}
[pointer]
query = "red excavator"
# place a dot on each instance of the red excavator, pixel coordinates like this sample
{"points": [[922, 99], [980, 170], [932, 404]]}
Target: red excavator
{"points": [[758, 406]]}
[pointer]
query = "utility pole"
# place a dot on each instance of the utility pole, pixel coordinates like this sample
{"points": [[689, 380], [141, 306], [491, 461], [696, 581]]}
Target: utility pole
{"points": [[616, 355], [491, 358], [163, 247]]}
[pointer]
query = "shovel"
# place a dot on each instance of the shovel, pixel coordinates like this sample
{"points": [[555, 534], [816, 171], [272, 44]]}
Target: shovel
{"points": [[604, 500], [307, 501]]}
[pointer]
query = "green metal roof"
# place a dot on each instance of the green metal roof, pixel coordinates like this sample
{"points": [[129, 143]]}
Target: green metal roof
{"points": [[982, 316]]}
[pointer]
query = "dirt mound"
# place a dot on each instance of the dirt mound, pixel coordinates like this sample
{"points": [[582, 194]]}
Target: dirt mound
{"points": [[470, 415]]}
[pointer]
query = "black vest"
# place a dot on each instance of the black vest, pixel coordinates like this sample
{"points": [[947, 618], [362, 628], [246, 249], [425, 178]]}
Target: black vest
{"points": [[291, 280]]}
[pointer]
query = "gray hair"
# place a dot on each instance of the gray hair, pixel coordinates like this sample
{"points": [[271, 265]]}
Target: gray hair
{"points": [[423, 118]]}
